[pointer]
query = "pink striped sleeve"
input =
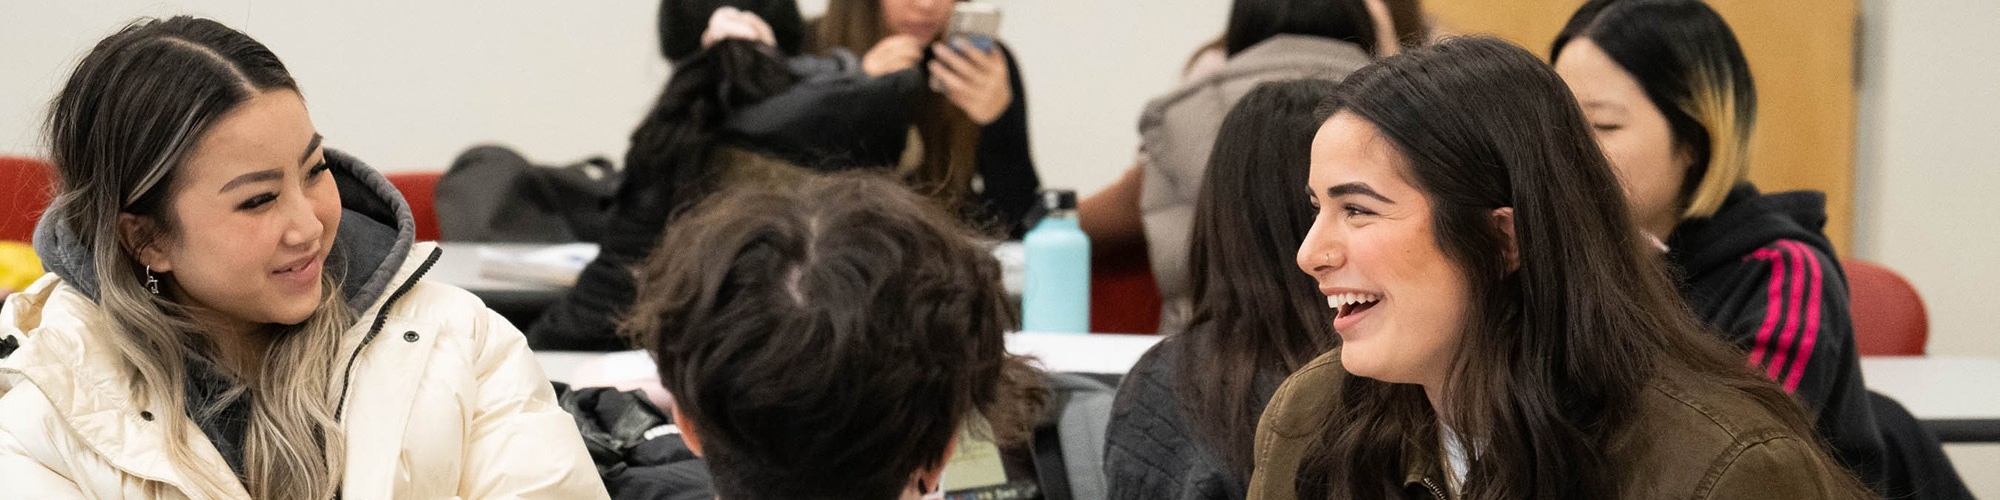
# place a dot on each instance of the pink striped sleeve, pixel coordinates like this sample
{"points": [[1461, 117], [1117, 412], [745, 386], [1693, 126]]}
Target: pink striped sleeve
{"points": [[1774, 308], [1794, 302], [1811, 332]]}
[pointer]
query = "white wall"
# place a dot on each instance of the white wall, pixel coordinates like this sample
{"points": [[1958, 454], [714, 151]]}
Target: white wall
{"points": [[1927, 165], [408, 84]]}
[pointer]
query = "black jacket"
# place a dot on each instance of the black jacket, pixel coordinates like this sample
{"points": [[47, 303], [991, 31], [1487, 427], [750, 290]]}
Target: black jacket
{"points": [[1761, 273], [1151, 451], [833, 118]]}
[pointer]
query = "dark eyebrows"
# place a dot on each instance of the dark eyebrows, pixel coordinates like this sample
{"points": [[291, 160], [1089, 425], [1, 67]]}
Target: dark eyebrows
{"points": [[310, 147], [1356, 188], [272, 174]]}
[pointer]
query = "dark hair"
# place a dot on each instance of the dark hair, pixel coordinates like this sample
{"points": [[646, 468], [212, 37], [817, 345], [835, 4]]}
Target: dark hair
{"points": [[1687, 60], [120, 132], [825, 339], [671, 160], [1256, 318], [1253, 21], [683, 21], [1554, 353], [949, 140]]}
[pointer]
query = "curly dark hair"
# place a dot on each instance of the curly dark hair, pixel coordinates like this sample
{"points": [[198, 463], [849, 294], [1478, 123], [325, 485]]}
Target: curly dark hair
{"points": [[827, 339]]}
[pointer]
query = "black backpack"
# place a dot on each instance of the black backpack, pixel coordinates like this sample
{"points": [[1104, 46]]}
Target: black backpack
{"points": [[493, 194]]}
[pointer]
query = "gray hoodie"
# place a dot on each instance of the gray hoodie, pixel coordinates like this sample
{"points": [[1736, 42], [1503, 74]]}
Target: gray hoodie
{"points": [[376, 232], [375, 236]]}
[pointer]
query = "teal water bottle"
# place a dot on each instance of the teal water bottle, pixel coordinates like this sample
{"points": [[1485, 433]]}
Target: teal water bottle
{"points": [[1056, 295]]}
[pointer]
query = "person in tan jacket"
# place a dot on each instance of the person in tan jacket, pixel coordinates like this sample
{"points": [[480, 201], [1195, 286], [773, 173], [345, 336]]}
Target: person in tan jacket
{"points": [[235, 311], [1505, 331]]}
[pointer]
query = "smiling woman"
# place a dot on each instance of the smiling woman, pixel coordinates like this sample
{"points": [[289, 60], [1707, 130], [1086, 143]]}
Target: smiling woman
{"points": [[197, 336], [1505, 332]]}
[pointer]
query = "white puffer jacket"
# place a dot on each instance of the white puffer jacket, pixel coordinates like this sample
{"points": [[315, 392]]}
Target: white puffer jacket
{"points": [[441, 396]]}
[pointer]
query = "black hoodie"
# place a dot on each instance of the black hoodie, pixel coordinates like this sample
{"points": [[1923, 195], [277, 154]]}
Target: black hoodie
{"points": [[1762, 274]]}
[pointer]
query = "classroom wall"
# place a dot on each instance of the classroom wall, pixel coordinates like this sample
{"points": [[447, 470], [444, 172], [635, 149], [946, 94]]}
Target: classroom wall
{"points": [[406, 85], [1927, 162]]}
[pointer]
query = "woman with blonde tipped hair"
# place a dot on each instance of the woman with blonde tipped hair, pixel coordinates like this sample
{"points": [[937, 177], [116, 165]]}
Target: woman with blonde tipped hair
{"points": [[237, 311], [1670, 99]]}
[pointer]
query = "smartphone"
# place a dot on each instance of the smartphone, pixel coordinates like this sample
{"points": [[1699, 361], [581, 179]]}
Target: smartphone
{"points": [[976, 22]]}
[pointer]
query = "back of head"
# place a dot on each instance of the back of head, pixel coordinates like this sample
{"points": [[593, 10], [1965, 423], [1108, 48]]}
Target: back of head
{"points": [[1555, 351], [1256, 317], [1253, 21], [1688, 62], [682, 23], [825, 340]]}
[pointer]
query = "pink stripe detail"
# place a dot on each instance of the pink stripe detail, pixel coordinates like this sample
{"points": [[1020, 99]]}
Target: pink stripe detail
{"points": [[1805, 350], [1772, 310], [1792, 306]]}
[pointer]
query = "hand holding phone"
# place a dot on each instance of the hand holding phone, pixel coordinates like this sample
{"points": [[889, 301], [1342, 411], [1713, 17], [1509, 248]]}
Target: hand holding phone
{"points": [[976, 22]]}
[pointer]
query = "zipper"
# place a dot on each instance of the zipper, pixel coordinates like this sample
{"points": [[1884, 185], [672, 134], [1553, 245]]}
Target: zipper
{"points": [[381, 318], [1436, 492]]}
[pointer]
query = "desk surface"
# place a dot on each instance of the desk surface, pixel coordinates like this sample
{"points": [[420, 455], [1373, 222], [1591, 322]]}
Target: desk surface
{"points": [[1959, 397]]}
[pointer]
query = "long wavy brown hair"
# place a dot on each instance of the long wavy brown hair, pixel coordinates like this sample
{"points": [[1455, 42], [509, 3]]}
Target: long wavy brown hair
{"points": [[947, 138], [1555, 355]]}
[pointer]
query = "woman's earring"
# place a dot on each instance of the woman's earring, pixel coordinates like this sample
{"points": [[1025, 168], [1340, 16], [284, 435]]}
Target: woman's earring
{"points": [[152, 283]]}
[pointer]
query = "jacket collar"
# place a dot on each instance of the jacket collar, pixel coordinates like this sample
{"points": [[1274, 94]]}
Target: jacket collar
{"points": [[1292, 51], [376, 231]]}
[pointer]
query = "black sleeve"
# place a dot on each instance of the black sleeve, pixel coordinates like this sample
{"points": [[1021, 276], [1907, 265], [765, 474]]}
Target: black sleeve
{"points": [[1006, 165], [1787, 309], [586, 317]]}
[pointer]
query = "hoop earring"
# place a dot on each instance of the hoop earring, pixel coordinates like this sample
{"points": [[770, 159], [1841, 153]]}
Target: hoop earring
{"points": [[152, 283]]}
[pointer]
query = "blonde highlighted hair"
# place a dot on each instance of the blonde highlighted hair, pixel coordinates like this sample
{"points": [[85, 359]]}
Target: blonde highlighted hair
{"points": [[119, 131], [1688, 62]]}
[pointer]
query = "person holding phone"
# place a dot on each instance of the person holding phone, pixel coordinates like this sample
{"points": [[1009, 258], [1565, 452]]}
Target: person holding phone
{"points": [[969, 142]]}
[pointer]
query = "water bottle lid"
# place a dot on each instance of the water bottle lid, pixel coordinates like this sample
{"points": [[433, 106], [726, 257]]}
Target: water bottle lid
{"points": [[1059, 199]]}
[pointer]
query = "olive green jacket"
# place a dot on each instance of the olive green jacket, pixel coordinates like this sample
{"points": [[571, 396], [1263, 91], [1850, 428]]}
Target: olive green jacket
{"points": [[1691, 441]]}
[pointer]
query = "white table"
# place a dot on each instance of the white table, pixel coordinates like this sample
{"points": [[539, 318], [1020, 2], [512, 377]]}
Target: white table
{"points": [[1105, 353], [1957, 397], [460, 266]]}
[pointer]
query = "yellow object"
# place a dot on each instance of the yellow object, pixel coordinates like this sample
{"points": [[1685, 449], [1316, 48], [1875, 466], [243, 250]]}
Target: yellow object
{"points": [[18, 266]]}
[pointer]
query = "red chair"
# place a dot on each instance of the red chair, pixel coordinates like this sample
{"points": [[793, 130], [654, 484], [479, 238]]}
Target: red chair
{"points": [[1889, 316], [1123, 296], [420, 190], [25, 187]]}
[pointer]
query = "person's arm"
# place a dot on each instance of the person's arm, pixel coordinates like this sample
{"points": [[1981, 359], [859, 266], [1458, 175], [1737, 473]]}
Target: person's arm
{"points": [[519, 442], [1111, 216], [1006, 165], [1790, 315]]}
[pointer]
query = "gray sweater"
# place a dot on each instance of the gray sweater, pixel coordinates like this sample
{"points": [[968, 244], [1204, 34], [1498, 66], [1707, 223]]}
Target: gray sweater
{"points": [[1178, 129]]}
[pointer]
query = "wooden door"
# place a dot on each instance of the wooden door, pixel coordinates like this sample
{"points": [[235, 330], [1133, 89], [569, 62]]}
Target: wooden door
{"points": [[1801, 55]]}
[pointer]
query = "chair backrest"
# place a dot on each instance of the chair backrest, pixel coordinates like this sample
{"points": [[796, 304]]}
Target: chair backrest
{"points": [[1123, 296], [1889, 316], [25, 187], [420, 190]]}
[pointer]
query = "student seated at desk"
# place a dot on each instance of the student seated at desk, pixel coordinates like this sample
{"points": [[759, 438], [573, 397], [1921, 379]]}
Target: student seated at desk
{"points": [[237, 311], [1670, 99], [741, 107], [827, 340], [1186, 413], [1505, 331]]}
